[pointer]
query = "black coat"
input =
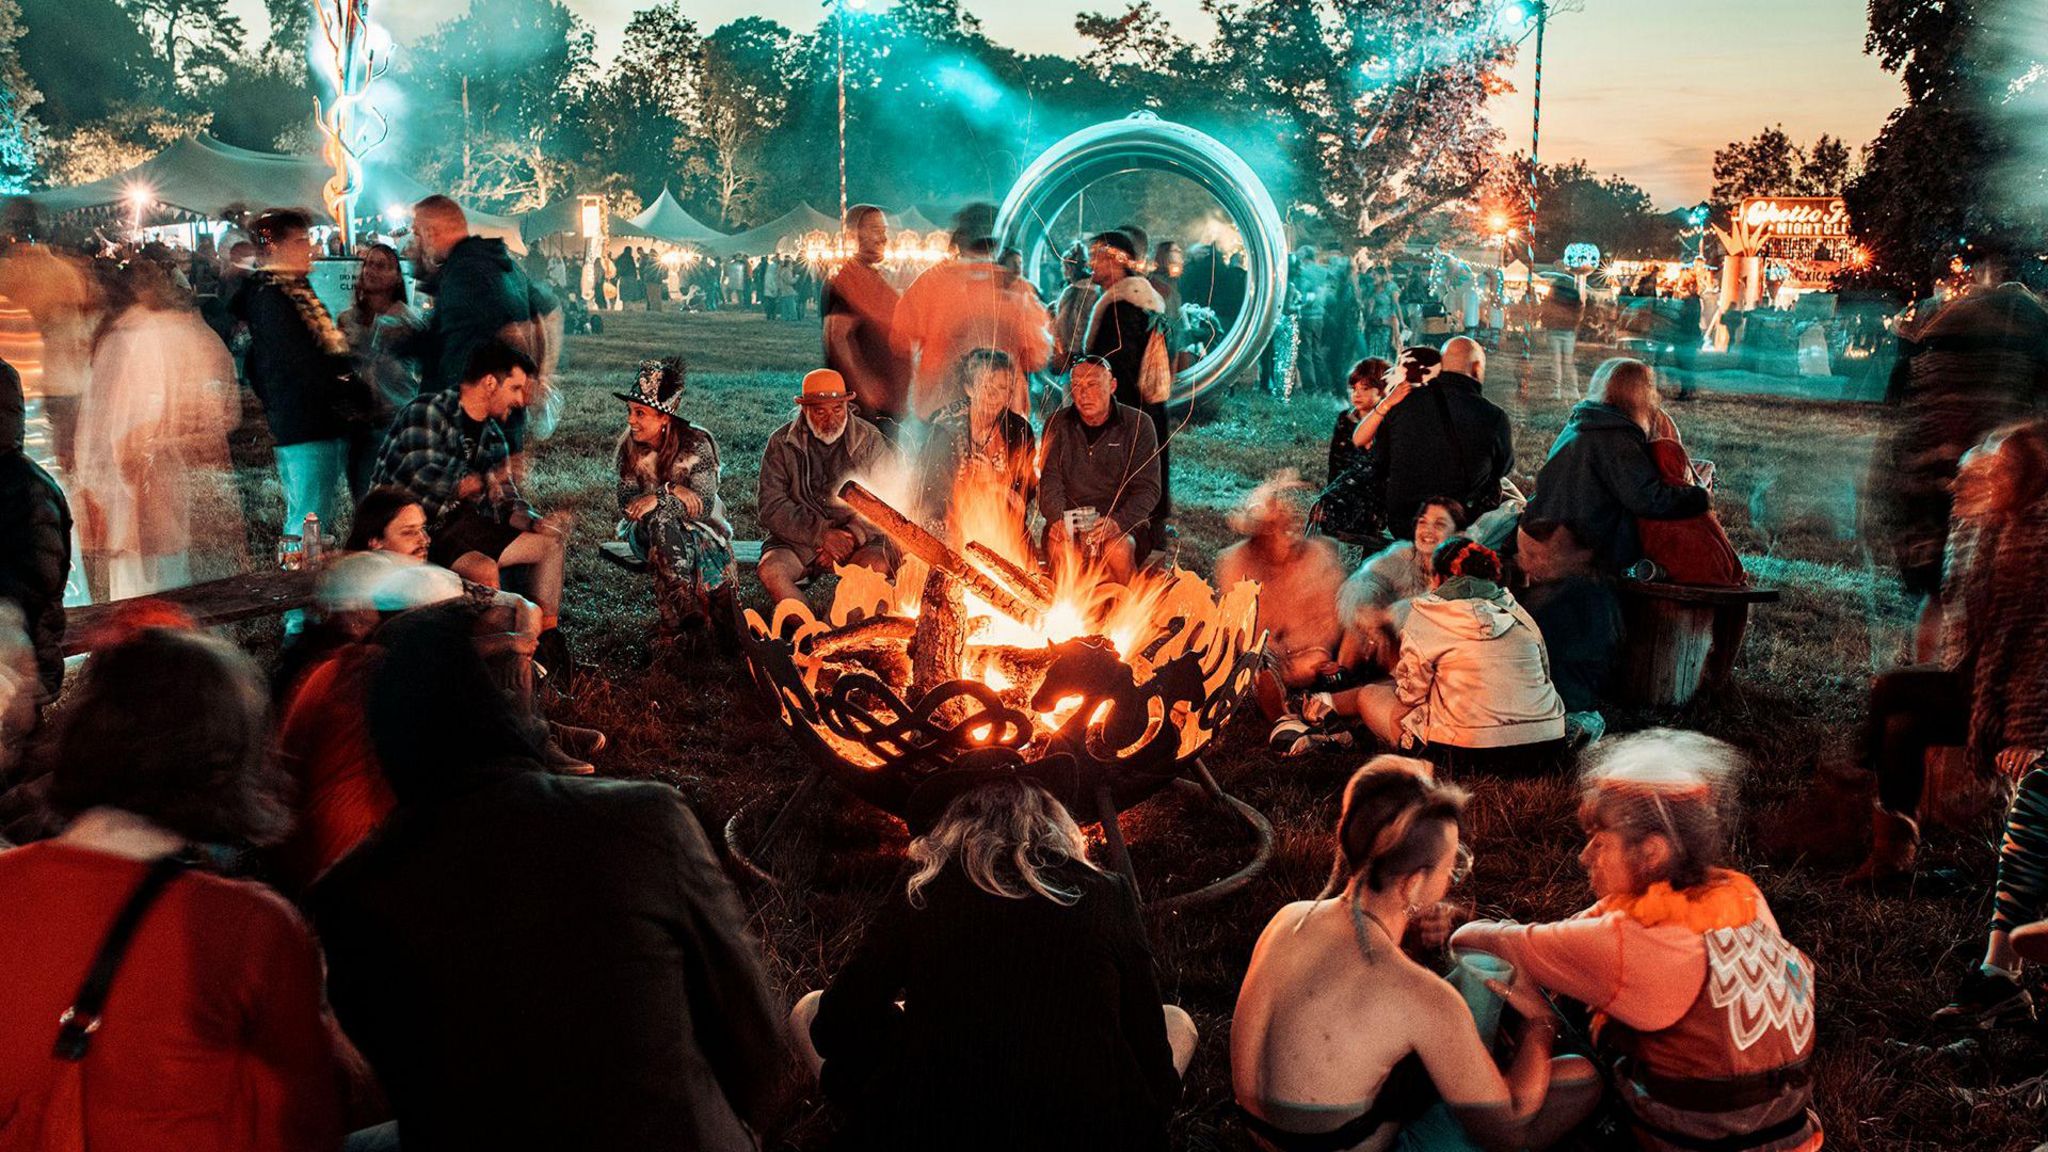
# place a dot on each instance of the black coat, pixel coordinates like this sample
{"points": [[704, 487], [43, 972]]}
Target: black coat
{"points": [[35, 537], [478, 291], [538, 962], [1445, 439], [308, 392], [1600, 477], [1025, 1025]]}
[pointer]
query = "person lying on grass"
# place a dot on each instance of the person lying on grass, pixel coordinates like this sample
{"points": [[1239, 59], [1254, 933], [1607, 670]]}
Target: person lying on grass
{"points": [[1702, 1010], [1341, 1040]]}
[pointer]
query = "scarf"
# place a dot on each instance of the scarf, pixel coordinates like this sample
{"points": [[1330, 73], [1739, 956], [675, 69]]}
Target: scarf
{"points": [[311, 311], [1727, 900]]}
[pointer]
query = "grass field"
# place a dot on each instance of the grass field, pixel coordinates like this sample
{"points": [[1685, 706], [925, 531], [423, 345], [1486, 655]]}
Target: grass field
{"points": [[1789, 478]]}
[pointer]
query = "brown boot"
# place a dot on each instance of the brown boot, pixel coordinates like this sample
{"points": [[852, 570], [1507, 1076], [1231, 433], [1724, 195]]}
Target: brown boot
{"points": [[1893, 841]]}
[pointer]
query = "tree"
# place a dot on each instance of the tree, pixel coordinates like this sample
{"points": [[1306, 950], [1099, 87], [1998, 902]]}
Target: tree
{"points": [[207, 34], [641, 117], [1763, 165], [1826, 169], [118, 141], [741, 97], [86, 57], [21, 133]]}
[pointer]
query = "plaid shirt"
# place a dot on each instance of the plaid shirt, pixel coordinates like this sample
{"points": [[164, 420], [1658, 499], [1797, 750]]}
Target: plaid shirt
{"points": [[427, 453]]}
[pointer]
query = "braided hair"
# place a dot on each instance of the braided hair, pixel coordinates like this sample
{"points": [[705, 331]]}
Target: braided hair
{"points": [[1464, 556]]}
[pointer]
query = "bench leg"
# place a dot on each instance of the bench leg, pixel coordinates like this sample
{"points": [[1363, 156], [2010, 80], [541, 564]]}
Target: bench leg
{"points": [[1731, 624]]}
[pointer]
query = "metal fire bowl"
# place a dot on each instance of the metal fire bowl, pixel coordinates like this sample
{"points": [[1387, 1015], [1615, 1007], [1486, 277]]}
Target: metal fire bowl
{"points": [[881, 747]]}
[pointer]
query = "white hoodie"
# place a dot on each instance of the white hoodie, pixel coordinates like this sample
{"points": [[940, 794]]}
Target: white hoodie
{"points": [[1476, 675]]}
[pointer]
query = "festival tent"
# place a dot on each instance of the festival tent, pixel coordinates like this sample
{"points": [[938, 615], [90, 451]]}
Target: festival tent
{"points": [[913, 220], [667, 220], [200, 178], [756, 241]]}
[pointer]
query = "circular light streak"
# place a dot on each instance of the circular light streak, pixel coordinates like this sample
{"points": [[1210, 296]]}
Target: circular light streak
{"points": [[1143, 142]]}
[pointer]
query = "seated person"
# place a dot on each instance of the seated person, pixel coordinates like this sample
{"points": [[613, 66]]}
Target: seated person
{"points": [[1298, 578], [1373, 603], [1708, 1011], [1101, 464], [1340, 1040], [1600, 477], [808, 529], [1447, 438], [668, 498], [1577, 611], [1472, 685], [1043, 1013], [979, 445], [1695, 549], [1354, 500], [449, 450], [1993, 994]]}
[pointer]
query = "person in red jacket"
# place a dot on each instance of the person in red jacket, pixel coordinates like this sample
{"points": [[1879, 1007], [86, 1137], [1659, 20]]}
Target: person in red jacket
{"points": [[212, 1038]]}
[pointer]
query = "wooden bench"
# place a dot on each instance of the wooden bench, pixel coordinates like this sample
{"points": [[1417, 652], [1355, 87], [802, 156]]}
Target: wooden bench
{"points": [[1680, 637], [225, 601], [619, 552]]}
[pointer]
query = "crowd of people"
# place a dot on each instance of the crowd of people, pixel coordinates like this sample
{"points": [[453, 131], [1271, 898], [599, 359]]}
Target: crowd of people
{"points": [[381, 900]]}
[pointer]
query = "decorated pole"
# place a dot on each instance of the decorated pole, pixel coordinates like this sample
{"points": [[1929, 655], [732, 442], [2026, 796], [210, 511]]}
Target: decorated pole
{"points": [[351, 127]]}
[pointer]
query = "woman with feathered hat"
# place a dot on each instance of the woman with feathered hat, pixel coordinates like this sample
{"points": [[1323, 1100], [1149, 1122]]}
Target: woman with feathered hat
{"points": [[668, 498]]}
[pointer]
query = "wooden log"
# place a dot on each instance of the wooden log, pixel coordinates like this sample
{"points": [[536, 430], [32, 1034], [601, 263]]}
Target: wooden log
{"points": [[942, 558], [1024, 667], [940, 645], [1033, 586], [867, 633]]}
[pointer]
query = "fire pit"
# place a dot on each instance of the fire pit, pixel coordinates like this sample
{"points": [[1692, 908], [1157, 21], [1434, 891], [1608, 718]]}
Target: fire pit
{"points": [[971, 658]]}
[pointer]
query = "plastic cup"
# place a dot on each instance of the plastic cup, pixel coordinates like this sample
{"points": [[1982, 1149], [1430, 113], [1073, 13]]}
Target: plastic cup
{"points": [[1469, 976]]}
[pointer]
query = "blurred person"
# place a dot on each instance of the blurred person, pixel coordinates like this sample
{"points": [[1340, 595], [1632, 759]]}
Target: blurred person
{"points": [[1472, 687], [381, 326], [530, 960], [322, 416], [1380, 314], [979, 447], [672, 516], [1342, 341], [1705, 1010], [1562, 310], [1984, 692], [1127, 332], [1074, 309], [1099, 482], [1994, 992], [962, 304], [1373, 604], [35, 541], [770, 274], [1169, 264], [449, 449], [629, 276], [213, 1034], [859, 310], [1980, 362], [60, 297], [1215, 283], [1601, 476], [1042, 1027], [1332, 1007], [1448, 438], [1354, 501], [807, 529], [789, 279], [1311, 285], [481, 296], [153, 423], [1576, 608], [735, 280], [1298, 578]]}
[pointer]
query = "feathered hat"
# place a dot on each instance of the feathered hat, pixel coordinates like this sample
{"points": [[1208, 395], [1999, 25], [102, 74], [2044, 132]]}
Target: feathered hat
{"points": [[659, 385]]}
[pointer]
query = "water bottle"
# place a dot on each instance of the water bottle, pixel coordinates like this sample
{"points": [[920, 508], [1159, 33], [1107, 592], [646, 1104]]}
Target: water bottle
{"points": [[310, 542], [1645, 570]]}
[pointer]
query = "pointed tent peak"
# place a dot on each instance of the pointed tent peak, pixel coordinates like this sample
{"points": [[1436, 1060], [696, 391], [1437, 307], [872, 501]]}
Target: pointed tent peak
{"points": [[666, 219], [911, 219]]}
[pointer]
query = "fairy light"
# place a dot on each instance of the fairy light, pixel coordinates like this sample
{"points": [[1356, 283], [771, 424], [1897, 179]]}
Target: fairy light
{"points": [[357, 55]]}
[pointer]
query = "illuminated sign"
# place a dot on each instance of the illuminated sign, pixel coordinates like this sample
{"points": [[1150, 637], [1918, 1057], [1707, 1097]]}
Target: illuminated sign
{"points": [[593, 215], [1797, 217]]}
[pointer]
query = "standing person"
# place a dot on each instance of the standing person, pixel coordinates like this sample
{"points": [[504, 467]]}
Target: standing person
{"points": [[1074, 309], [380, 326], [963, 304], [1101, 464], [1342, 342], [859, 310], [668, 498], [530, 960], [771, 288], [213, 1037], [35, 539], [735, 279], [1563, 309], [1127, 333], [1041, 1027], [321, 414], [629, 274], [600, 282], [1313, 303], [1380, 308], [1169, 264], [481, 296], [1705, 1011], [1447, 438], [154, 420], [977, 448], [807, 528]]}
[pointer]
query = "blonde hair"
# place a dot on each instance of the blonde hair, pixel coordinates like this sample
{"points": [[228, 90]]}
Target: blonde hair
{"points": [[1627, 384], [1665, 782], [1005, 835]]}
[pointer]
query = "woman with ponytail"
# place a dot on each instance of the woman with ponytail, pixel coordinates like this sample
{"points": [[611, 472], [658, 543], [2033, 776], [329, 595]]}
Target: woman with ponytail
{"points": [[1342, 1041], [1472, 687], [1004, 998]]}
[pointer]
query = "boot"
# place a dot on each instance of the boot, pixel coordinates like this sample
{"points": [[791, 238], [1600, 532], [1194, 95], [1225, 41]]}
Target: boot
{"points": [[1893, 842]]}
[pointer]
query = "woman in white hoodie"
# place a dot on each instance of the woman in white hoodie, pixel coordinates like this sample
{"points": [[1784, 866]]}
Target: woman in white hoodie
{"points": [[1472, 687]]}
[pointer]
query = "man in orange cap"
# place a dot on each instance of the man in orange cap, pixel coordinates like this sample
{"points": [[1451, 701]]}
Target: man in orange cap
{"points": [[808, 529]]}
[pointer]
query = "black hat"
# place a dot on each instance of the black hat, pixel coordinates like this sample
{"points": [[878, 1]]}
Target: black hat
{"points": [[659, 385]]}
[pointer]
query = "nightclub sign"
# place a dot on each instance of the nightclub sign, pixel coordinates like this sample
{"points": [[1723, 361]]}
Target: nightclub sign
{"points": [[1797, 217]]}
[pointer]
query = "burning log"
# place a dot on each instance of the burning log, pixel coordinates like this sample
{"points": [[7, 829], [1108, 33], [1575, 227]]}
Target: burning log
{"points": [[1033, 586], [939, 648], [1028, 611], [1023, 667], [873, 632]]}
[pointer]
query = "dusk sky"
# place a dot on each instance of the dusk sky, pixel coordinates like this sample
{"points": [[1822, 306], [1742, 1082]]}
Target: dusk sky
{"points": [[1645, 88]]}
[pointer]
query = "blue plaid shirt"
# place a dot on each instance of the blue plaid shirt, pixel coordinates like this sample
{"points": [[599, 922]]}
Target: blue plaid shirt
{"points": [[427, 453]]}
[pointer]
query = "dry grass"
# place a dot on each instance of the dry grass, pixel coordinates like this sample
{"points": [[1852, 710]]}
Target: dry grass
{"points": [[1790, 473]]}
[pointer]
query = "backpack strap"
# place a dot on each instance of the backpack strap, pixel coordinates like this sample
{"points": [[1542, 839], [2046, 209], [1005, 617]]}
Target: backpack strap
{"points": [[76, 1026]]}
